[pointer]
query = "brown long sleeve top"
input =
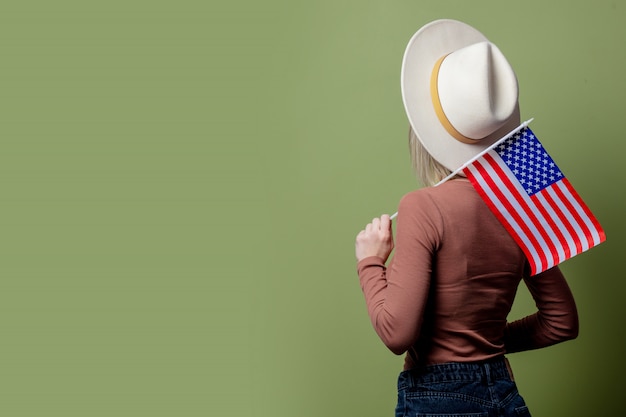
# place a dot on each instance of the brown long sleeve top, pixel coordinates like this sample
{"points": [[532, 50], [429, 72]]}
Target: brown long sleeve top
{"points": [[450, 285]]}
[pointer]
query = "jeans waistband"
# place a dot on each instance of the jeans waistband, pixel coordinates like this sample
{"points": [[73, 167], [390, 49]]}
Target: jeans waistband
{"points": [[484, 371]]}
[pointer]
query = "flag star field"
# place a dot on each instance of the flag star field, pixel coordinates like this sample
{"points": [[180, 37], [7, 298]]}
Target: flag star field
{"points": [[529, 162]]}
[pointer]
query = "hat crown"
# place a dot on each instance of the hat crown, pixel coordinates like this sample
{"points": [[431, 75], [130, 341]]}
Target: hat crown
{"points": [[478, 90]]}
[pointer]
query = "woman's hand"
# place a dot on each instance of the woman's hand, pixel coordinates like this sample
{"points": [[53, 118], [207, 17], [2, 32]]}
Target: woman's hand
{"points": [[375, 240]]}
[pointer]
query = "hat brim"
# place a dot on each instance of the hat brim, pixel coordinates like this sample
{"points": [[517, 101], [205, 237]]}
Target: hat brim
{"points": [[428, 45]]}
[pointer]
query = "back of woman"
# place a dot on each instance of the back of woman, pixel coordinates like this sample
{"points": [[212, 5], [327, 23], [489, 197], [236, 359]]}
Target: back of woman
{"points": [[477, 267], [444, 297]]}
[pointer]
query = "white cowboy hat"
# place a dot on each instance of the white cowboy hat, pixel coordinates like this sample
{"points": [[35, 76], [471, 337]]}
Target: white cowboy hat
{"points": [[459, 92]]}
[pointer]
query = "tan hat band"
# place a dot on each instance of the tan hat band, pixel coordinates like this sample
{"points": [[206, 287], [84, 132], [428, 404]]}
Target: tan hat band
{"points": [[441, 115]]}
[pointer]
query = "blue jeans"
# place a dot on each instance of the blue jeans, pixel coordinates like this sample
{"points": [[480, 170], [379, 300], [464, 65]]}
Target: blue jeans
{"points": [[474, 389]]}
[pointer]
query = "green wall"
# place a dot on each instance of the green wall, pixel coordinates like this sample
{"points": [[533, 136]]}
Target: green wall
{"points": [[181, 183]]}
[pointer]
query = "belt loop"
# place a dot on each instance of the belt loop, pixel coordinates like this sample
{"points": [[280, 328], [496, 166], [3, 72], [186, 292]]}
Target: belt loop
{"points": [[488, 375], [509, 369]]}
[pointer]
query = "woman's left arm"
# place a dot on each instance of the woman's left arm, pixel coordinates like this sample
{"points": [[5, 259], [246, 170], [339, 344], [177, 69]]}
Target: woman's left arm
{"points": [[396, 296]]}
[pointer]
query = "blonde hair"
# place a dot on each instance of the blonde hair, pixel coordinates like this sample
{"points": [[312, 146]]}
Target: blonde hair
{"points": [[427, 170]]}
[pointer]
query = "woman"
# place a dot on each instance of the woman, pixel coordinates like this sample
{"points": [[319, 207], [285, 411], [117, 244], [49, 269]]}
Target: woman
{"points": [[445, 296]]}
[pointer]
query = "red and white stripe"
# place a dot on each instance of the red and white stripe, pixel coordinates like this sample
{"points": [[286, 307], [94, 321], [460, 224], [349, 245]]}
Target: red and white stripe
{"points": [[551, 226]]}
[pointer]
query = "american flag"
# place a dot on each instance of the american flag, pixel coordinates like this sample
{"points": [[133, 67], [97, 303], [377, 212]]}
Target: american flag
{"points": [[534, 201]]}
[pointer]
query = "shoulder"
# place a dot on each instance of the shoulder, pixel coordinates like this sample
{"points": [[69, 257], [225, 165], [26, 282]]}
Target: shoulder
{"points": [[435, 206], [421, 200], [420, 207], [431, 197]]}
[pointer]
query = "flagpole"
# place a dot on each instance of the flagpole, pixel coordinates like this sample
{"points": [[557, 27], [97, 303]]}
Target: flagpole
{"points": [[471, 161], [474, 159]]}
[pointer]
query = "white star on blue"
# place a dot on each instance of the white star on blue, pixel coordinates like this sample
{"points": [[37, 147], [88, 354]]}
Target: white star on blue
{"points": [[529, 162]]}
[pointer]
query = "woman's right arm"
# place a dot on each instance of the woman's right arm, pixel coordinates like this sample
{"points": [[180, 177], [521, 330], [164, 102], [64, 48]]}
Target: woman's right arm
{"points": [[556, 319]]}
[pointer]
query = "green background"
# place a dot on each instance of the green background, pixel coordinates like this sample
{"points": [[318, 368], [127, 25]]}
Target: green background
{"points": [[181, 183]]}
